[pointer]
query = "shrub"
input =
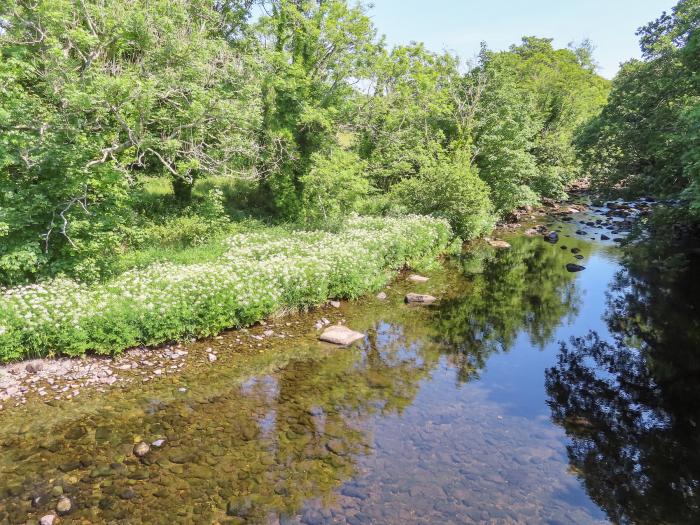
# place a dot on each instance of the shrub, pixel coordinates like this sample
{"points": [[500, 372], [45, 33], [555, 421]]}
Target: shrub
{"points": [[260, 273], [333, 187], [450, 190]]}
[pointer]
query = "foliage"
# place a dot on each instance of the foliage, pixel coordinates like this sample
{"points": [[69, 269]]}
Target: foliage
{"points": [[449, 190], [404, 123], [646, 138], [93, 92], [333, 187], [259, 274], [313, 50], [535, 98]]}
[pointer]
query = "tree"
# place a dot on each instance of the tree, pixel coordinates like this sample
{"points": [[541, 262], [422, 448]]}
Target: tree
{"points": [[645, 139], [314, 51], [93, 94]]}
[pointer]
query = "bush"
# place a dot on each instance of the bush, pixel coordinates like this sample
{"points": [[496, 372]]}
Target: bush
{"points": [[450, 190], [260, 273], [333, 187]]}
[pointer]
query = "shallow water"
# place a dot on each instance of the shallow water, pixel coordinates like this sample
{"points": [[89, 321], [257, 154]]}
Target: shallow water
{"points": [[481, 409]]}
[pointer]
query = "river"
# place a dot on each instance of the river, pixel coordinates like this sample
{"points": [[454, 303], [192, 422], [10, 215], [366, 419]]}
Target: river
{"points": [[526, 394]]}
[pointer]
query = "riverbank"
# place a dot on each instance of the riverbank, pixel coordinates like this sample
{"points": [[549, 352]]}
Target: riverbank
{"points": [[56, 380], [260, 274]]}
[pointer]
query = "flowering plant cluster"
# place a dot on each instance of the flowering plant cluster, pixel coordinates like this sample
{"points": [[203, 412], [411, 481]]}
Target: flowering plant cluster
{"points": [[260, 273]]}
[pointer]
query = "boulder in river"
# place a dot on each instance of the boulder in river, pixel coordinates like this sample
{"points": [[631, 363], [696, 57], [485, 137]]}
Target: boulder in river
{"points": [[497, 243], [419, 298], [340, 335], [572, 267], [417, 278]]}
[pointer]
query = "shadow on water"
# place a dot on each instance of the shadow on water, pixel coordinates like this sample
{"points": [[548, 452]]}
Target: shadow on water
{"points": [[441, 415], [630, 401]]}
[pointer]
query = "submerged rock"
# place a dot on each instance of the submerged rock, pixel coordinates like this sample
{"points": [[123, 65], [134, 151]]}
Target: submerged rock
{"points": [[340, 335], [239, 508], [551, 237], [418, 278], [141, 449], [571, 267], [419, 298], [64, 506]]}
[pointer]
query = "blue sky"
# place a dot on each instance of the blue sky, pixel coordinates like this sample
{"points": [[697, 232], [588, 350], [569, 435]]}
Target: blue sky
{"points": [[460, 25]]}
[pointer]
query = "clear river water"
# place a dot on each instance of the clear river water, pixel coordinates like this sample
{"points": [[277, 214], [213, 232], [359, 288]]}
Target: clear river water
{"points": [[526, 394]]}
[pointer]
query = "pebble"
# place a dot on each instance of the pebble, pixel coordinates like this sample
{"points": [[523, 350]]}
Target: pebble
{"points": [[49, 519], [381, 296], [212, 358], [141, 449], [64, 506]]}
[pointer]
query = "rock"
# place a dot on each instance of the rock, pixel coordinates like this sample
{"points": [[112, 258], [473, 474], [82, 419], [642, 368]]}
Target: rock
{"points": [[419, 298], [141, 449], [604, 237], [497, 243], [158, 443], [127, 493], [381, 296], [64, 506], [531, 232], [337, 446], [268, 333], [49, 519], [340, 335], [579, 257], [575, 250], [239, 508], [212, 358], [34, 366], [418, 278], [571, 267], [75, 433], [334, 304], [551, 237]]}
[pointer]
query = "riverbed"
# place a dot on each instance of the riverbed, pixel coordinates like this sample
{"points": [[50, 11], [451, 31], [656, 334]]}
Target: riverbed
{"points": [[527, 393]]}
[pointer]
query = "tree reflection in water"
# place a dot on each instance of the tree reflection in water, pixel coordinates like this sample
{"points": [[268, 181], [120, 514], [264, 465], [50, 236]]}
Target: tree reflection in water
{"points": [[631, 404], [523, 289]]}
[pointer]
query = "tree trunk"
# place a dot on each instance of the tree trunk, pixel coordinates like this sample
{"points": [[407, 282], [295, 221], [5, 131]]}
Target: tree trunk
{"points": [[183, 190]]}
